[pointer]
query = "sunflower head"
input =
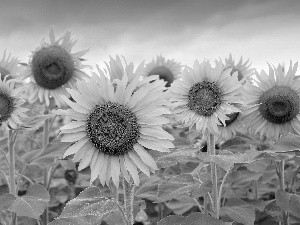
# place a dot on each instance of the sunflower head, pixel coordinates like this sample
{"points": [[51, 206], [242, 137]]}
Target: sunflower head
{"points": [[11, 111], [116, 69], [275, 102], [53, 68], [114, 124], [9, 66], [168, 70], [205, 95], [243, 69]]}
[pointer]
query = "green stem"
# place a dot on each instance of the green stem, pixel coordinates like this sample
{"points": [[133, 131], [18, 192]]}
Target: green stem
{"points": [[128, 201], [222, 185], [53, 169], [160, 211], [45, 215], [12, 169], [285, 216], [198, 204], [205, 204], [212, 151], [115, 192], [5, 157], [256, 190]]}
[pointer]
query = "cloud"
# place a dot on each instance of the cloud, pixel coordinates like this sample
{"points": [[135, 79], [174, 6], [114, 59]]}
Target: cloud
{"points": [[140, 29]]}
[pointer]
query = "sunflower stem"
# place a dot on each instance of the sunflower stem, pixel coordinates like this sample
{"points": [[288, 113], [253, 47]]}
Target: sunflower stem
{"points": [[12, 169], [285, 216], [205, 201], [222, 185], [45, 215], [215, 199], [128, 200], [255, 184], [115, 192]]}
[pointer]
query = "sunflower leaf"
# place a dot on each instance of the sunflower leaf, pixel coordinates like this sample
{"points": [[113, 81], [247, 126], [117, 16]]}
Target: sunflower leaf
{"points": [[239, 211], [181, 204], [286, 143], [34, 121], [182, 184], [44, 157], [227, 159], [149, 189], [89, 207], [30, 205], [288, 202], [179, 154], [194, 218]]}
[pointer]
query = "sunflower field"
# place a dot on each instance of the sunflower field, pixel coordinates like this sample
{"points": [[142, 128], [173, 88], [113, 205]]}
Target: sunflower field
{"points": [[213, 143]]}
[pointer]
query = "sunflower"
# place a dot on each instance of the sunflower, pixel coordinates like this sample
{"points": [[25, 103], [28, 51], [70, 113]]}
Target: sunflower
{"points": [[114, 124], [275, 101], [168, 70], [53, 68], [9, 66], [205, 95], [11, 111], [234, 124], [243, 68], [116, 70]]}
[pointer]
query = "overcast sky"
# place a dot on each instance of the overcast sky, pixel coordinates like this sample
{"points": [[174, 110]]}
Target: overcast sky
{"points": [[184, 30]]}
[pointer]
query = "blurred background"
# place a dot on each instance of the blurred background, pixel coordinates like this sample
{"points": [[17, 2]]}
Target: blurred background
{"points": [[261, 30]]}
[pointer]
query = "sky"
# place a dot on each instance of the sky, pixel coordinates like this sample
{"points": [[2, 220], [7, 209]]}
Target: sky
{"points": [[184, 30]]}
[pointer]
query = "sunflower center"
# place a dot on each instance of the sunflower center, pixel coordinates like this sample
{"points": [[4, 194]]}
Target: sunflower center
{"points": [[279, 105], [164, 74], [52, 67], [112, 128], [6, 106], [4, 72], [204, 98]]}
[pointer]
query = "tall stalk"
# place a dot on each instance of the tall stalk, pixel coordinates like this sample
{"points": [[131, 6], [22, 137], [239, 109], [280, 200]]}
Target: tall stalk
{"points": [[12, 170], [285, 217], [128, 200], [45, 215], [212, 151]]}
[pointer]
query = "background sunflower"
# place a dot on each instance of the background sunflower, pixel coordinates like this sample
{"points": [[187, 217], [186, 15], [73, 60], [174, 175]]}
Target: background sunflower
{"points": [[53, 68], [168, 70], [205, 95], [274, 102]]}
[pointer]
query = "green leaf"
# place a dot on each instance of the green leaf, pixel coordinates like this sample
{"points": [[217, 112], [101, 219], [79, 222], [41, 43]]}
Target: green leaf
{"points": [[6, 201], [88, 208], [288, 202], [46, 156], [182, 184], [149, 189], [180, 154], [295, 205], [286, 143], [239, 211], [4, 219], [34, 121], [181, 204], [32, 204], [227, 159], [195, 218], [114, 218]]}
